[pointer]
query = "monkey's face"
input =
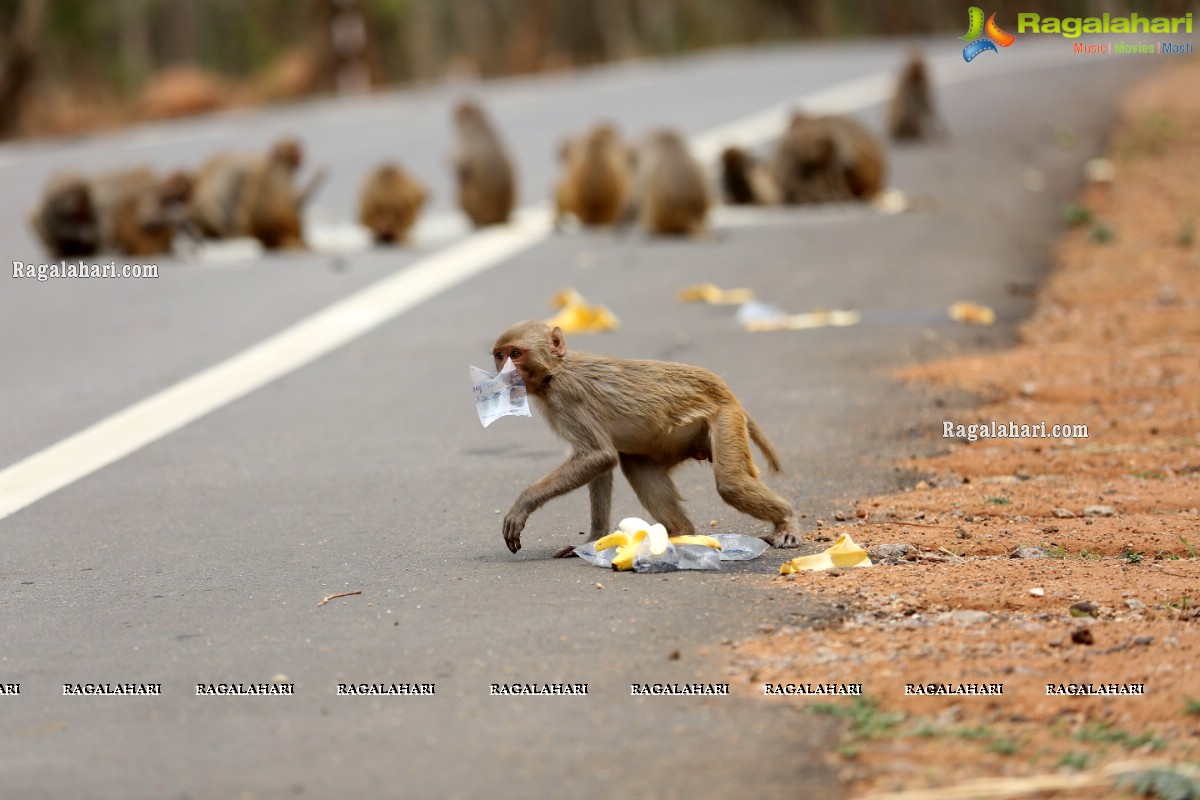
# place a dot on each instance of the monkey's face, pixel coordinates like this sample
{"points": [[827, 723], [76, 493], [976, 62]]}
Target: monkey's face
{"points": [[535, 350], [289, 153], [506, 351]]}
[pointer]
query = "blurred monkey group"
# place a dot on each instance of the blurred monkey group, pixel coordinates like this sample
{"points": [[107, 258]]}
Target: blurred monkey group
{"points": [[605, 180]]}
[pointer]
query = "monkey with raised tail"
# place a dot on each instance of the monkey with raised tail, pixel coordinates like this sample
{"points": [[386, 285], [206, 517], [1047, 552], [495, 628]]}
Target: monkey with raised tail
{"points": [[238, 195], [647, 417]]}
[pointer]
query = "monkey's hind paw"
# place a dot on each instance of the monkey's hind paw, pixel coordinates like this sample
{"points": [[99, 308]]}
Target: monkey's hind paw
{"points": [[783, 539]]}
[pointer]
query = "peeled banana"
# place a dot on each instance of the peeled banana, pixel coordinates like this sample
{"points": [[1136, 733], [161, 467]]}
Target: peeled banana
{"points": [[628, 536], [630, 533]]}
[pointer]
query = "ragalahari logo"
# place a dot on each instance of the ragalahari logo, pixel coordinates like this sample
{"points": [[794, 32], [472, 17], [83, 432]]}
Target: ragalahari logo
{"points": [[978, 44]]}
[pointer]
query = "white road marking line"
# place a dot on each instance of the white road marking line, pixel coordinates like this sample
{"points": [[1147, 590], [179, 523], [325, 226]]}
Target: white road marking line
{"points": [[127, 431], [769, 123]]}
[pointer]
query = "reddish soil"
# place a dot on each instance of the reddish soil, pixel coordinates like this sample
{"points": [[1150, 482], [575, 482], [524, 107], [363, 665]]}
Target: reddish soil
{"points": [[1111, 519]]}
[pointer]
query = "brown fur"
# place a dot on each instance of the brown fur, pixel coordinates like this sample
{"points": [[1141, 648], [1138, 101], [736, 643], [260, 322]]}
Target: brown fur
{"points": [[65, 218], [389, 203], [237, 195], [597, 179], [673, 195], [911, 113], [487, 189], [645, 416], [270, 205], [829, 159], [747, 181], [129, 212], [215, 201]]}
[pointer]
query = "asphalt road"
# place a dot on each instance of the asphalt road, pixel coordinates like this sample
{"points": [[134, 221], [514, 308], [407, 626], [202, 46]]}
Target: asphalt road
{"points": [[201, 557]]}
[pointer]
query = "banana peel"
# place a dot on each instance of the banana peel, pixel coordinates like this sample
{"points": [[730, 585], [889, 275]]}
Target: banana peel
{"points": [[714, 295], [628, 536], [705, 541], [577, 315], [630, 533], [566, 297], [843, 553], [969, 313]]}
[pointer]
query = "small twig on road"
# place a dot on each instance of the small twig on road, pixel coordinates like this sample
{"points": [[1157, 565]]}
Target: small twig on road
{"points": [[336, 596], [913, 524]]}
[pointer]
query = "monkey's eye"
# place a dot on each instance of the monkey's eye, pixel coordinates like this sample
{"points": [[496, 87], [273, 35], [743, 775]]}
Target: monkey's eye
{"points": [[515, 353]]}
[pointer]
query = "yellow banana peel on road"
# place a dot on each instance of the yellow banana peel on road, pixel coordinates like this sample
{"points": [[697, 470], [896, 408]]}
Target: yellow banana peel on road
{"points": [[714, 295], [577, 315], [843, 553], [628, 536]]}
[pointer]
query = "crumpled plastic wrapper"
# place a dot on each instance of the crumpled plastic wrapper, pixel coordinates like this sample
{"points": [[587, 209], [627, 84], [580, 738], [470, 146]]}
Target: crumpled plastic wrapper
{"points": [[757, 317]]}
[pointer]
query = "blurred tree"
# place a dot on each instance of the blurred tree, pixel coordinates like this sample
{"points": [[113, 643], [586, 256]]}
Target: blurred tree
{"points": [[20, 32], [109, 52], [133, 32]]}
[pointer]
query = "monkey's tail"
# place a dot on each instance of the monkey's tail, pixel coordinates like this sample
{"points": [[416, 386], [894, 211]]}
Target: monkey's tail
{"points": [[314, 183], [764, 444]]}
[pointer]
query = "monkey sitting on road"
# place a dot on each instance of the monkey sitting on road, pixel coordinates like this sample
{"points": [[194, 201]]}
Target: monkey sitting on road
{"points": [[911, 114], [65, 218], [147, 211], [389, 203], [130, 212], [746, 181], [597, 179], [672, 191], [487, 189], [828, 160], [646, 417], [237, 195]]}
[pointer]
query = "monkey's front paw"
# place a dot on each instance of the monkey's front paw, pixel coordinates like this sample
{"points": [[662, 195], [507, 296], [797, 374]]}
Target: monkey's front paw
{"points": [[566, 552], [514, 523]]}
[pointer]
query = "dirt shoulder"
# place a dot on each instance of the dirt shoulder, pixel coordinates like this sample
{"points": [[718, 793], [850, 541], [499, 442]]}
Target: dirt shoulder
{"points": [[1105, 585]]}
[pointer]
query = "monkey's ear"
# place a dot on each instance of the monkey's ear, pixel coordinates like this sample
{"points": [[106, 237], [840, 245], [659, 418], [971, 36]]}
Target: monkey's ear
{"points": [[558, 342]]}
